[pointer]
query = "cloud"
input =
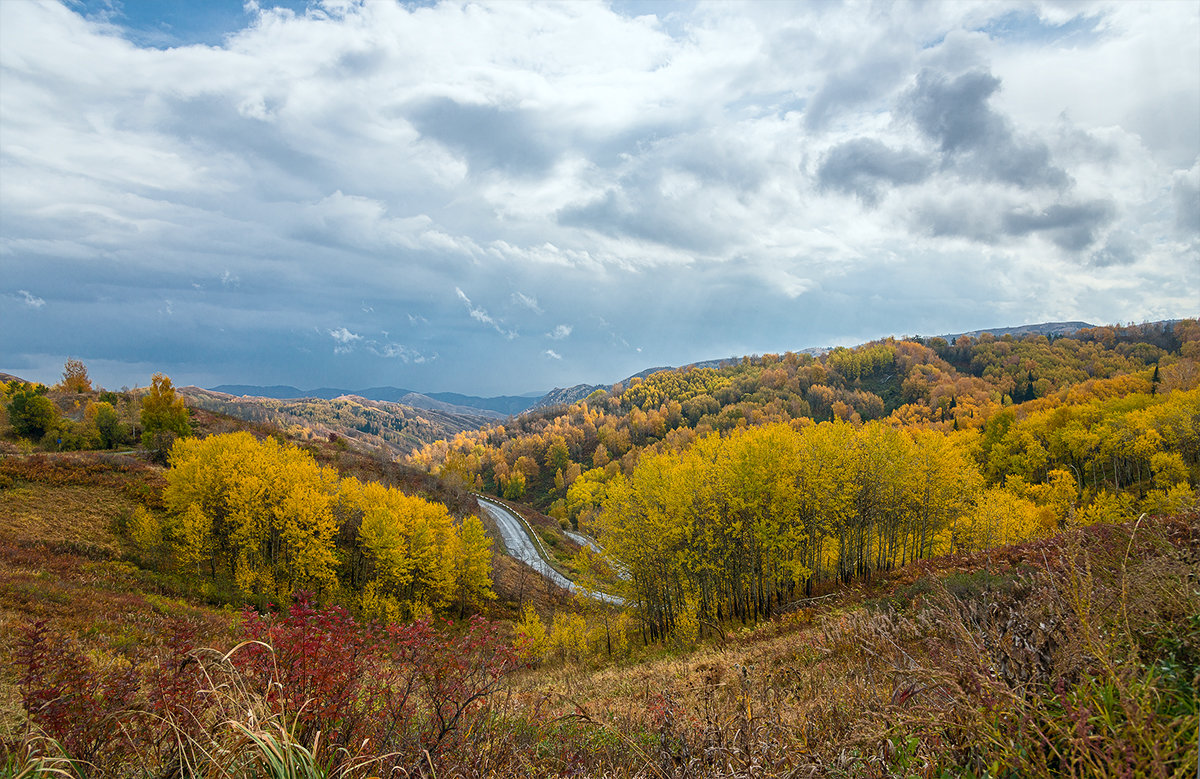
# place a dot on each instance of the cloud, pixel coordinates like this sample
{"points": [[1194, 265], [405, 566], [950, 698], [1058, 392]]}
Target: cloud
{"points": [[559, 332], [341, 165], [491, 138], [345, 339], [1120, 249], [521, 299], [344, 336], [480, 315], [1072, 227], [1185, 188], [974, 138], [399, 351], [553, 355], [861, 81], [865, 167], [31, 300]]}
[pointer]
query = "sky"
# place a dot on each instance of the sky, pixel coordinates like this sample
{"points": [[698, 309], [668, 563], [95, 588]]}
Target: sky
{"points": [[500, 198]]}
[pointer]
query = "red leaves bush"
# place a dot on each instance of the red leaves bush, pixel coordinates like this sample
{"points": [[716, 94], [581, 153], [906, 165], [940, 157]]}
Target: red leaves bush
{"points": [[73, 702], [398, 693]]}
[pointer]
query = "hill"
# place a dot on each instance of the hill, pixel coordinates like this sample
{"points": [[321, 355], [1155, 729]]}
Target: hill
{"points": [[1014, 406], [946, 667], [1050, 329], [381, 426]]}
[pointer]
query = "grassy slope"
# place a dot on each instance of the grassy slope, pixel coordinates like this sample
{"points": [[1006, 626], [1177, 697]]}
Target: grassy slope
{"points": [[917, 670], [60, 561]]}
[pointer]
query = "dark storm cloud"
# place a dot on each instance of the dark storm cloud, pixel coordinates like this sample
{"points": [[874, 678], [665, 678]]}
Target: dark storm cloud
{"points": [[975, 139], [488, 136], [1071, 227], [862, 166]]}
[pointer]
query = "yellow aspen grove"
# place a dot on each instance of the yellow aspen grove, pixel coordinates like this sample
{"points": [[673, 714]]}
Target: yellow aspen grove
{"points": [[737, 524], [266, 519]]}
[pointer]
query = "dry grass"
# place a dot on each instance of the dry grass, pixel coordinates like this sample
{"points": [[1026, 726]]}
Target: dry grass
{"points": [[1081, 665], [63, 515], [60, 561]]}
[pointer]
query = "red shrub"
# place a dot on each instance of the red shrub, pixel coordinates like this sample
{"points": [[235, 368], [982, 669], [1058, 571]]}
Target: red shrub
{"points": [[74, 703]]}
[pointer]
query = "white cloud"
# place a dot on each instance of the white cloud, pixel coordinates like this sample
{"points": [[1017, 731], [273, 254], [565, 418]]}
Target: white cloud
{"points": [[31, 300], [559, 332], [481, 315], [345, 339], [521, 299], [344, 336], [553, 355], [400, 352]]}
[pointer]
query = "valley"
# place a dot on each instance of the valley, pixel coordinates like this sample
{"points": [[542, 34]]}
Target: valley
{"points": [[907, 557]]}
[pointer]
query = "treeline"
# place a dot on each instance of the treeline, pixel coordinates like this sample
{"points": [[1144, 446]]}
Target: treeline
{"points": [[537, 457], [265, 520]]}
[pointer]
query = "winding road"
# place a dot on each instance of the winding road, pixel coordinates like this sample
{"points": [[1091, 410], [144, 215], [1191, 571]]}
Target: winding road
{"points": [[520, 545]]}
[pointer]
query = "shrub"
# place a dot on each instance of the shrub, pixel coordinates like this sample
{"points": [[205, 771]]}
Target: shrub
{"points": [[30, 412]]}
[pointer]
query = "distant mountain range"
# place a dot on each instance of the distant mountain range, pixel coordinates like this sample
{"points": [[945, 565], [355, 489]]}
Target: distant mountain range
{"points": [[497, 407]]}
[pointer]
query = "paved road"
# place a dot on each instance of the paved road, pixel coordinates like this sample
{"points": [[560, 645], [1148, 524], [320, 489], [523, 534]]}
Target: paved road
{"points": [[583, 540], [519, 545]]}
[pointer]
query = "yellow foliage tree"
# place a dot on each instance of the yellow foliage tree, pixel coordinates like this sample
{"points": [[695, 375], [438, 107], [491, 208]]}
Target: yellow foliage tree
{"points": [[473, 565], [530, 639], [75, 377]]}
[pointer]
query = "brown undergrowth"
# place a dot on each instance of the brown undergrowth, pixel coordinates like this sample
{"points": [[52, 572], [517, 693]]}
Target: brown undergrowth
{"points": [[1075, 656]]}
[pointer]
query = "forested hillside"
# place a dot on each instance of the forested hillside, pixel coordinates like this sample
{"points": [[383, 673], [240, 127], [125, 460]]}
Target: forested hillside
{"points": [[382, 426], [724, 492]]}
